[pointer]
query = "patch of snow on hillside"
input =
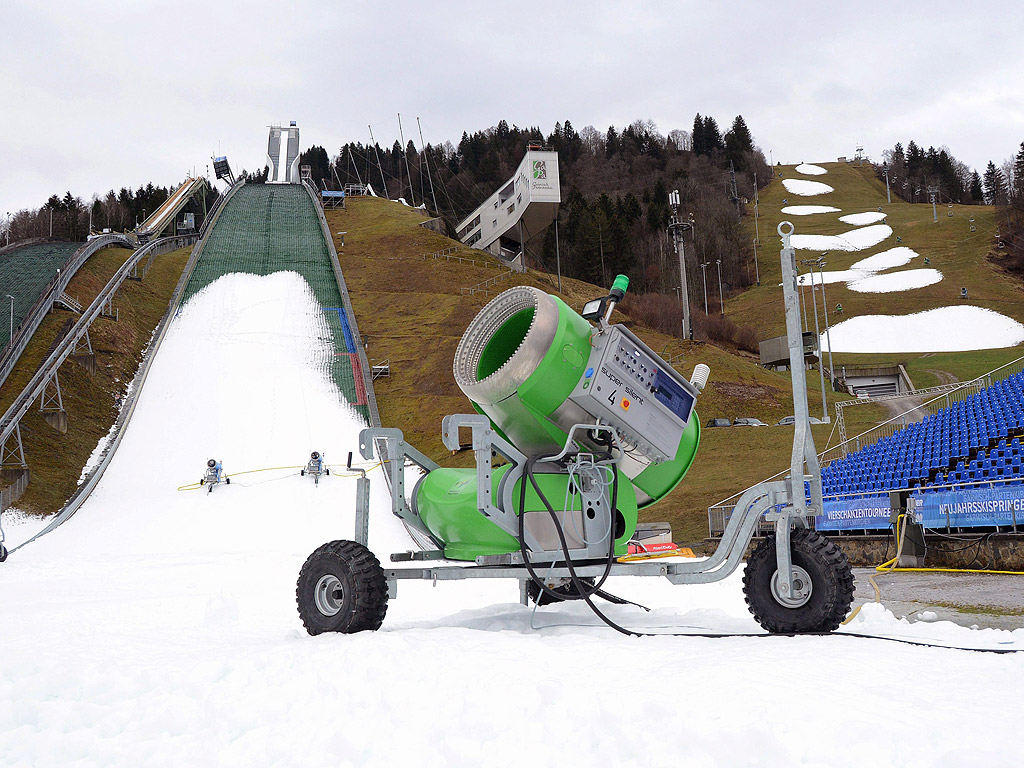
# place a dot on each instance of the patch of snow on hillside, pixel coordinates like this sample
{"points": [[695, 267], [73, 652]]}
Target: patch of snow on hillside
{"points": [[894, 257], [806, 188], [854, 240], [946, 329], [904, 280], [807, 210], [810, 170], [860, 219], [826, 277]]}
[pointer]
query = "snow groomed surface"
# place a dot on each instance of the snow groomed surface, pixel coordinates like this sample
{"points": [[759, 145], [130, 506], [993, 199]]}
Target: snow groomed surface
{"points": [[267, 228]]}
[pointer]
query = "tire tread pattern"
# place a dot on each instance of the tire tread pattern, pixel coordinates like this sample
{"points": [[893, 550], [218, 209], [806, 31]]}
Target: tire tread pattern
{"points": [[831, 577], [362, 577]]}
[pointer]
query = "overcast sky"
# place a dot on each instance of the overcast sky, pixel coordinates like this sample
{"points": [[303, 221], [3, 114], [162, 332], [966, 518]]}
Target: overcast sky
{"points": [[99, 95]]}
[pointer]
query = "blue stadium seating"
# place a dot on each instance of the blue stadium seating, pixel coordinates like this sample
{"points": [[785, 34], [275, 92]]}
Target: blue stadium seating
{"points": [[973, 441]]}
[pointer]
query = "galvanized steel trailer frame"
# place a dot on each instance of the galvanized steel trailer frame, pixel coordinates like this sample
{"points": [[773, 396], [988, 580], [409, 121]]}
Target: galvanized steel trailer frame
{"points": [[781, 502]]}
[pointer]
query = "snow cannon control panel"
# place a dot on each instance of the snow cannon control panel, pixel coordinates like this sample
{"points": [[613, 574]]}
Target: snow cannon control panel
{"points": [[637, 392]]}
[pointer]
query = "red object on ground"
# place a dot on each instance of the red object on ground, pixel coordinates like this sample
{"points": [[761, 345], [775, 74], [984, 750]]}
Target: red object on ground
{"points": [[636, 549]]}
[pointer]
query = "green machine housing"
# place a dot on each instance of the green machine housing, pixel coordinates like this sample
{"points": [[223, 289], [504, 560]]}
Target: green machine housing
{"points": [[537, 369]]}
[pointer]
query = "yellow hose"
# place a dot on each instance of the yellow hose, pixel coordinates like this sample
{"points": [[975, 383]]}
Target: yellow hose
{"points": [[196, 486], [890, 565], [887, 566]]}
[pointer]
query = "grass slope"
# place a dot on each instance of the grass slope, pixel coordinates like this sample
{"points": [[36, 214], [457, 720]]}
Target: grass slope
{"points": [[411, 312], [949, 245], [55, 460]]}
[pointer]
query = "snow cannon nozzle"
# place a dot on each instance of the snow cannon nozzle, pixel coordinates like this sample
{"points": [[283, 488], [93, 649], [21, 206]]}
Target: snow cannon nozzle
{"points": [[211, 463]]}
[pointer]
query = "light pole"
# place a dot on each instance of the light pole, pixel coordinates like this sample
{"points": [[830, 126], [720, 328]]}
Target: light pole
{"points": [[824, 304], [757, 272], [51, 222], [8, 228], [11, 337], [721, 298], [757, 233], [885, 170], [676, 228], [704, 273], [817, 336]]}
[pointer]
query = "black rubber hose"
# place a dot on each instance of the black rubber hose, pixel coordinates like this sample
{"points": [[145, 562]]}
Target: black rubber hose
{"points": [[584, 590]]}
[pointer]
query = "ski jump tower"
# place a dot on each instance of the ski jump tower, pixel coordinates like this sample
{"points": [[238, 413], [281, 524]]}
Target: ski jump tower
{"points": [[523, 207], [283, 154]]}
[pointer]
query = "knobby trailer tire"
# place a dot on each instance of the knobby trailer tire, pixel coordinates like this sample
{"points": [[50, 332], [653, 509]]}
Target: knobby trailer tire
{"points": [[831, 585], [341, 588]]}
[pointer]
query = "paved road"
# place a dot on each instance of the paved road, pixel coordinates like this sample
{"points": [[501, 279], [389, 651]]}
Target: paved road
{"points": [[964, 598]]}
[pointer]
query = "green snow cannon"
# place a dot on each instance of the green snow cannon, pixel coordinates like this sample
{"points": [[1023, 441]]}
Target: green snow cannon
{"points": [[551, 382]]}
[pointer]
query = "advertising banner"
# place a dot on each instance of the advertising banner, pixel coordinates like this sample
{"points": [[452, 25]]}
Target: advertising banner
{"points": [[851, 514], [972, 508]]}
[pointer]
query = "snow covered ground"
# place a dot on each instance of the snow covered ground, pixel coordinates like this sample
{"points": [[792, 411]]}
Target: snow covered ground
{"points": [[852, 240], [807, 210], [835, 276], [810, 170], [946, 329], [893, 282], [860, 219], [806, 188], [158, 627], [893, 257]]}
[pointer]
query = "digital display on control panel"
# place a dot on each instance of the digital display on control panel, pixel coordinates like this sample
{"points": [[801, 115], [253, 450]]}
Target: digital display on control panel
{"points": [[672, 396]]}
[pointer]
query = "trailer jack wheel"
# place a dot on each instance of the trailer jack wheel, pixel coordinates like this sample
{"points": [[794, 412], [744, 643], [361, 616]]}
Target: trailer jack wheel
{"points": [[341, 588], [822, 585]]}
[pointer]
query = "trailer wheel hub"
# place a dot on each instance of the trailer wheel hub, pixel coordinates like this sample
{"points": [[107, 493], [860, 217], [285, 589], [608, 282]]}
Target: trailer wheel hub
{"points": [[329, 595], [799, 594]]}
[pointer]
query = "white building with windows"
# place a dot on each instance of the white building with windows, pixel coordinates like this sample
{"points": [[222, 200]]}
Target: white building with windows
{"points": [[522, 208]]}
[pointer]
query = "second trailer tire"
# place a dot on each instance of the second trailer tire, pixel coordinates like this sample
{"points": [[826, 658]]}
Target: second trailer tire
{"points": [[822, 589], [341, 588]]}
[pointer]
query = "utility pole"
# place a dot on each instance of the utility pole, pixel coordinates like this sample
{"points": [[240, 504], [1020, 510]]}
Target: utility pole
{"points": [[732, 189], [352, 159], [51, 222], [676, 227], [932, 192], [600, 242], [824, 303], [817, 336], [379, 166], [885, 170], [721, 298], [405, 154], [423, 149], [558, 257], [8, 228], [757, 233], [704, 274], [757, 272]]}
